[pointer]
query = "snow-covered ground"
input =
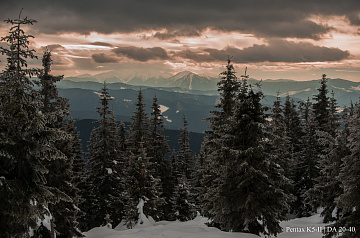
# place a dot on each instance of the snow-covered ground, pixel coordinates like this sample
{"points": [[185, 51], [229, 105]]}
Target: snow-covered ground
{"points": [[309, 227]]}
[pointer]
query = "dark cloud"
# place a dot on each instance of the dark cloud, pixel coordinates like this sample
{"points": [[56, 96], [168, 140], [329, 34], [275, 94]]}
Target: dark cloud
{"points": [[142, 54], [103, 58], [275, 51], [171, 34], [281, 18]]}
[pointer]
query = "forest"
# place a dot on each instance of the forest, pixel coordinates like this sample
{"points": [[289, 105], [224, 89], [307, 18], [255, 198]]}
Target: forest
{"points": [[257, 167]]}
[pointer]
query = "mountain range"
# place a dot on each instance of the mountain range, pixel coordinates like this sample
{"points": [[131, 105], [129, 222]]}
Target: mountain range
{"points": [[185, 93]]}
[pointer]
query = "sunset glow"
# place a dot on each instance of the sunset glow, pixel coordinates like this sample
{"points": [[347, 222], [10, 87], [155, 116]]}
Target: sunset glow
{"points": [[271, 43]]}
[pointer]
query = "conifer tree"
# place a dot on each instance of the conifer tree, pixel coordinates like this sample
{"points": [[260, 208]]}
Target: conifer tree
{"points": [[279, 138], [140, 186], [105, 200], [321, 106], [140, 183], [139, 128], [158, 149], [348, 202], [228, 88], [25, 140], [183, 167], [250, 197], [328, 186], [60, 170], [308, 161]]}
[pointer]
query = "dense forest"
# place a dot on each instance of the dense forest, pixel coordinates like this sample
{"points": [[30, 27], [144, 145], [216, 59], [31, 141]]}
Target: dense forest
{"points": [[258, 165]]}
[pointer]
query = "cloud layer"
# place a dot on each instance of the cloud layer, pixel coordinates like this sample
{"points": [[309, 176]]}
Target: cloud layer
{"points": [[274, 51], [263, 18]]}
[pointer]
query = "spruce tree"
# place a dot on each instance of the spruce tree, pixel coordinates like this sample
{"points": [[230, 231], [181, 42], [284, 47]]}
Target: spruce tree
{"points": [[139, 128], [26, 142], [348, 202], [140, 183], [328, 186], [140, 186], [60, 170], [321, 106], [183, 167], [280, 141], [106, 186], [250, 197], [228, 88], [158, 150], [308, 161]]}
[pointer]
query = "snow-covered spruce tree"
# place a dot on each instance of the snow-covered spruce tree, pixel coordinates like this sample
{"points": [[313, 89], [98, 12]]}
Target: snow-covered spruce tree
{"points": [[106, 185], [327, 125], [294, 134], [183, 167], [140, 186], [349, 176], [249, 197], [198, 177], [280, 142], [140, 183], [328, 186], [321, 106], [60, 173], [26, 141], [158, 149], [228, 88], [334, 147], [307, 162], [139, 128]]}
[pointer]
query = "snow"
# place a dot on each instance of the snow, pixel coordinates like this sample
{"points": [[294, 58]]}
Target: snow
{"points": [[167, 118], [109, 170], [309, 227], [294, 92], [100, 94], [357, 88], [163, 108]]}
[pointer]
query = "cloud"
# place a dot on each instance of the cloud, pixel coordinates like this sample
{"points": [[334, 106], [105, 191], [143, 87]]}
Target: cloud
{"points": [[103, 58], [52, 47], [142, 54], [263, 18], [171, 34], [99, 43], [274, 51]]}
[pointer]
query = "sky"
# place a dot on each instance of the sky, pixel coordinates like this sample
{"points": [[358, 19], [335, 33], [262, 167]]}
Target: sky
{"points": [[276, 39]]}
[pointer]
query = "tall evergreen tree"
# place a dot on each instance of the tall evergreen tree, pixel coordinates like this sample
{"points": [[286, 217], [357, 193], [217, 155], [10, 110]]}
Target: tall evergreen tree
{"points": [[308, 161], [183, 167], [349, 176], [279, 138], [140, 186], [139, 128], [247, 187], [60, 170], [105, 200], [161, 167], [140, 183], [228, 88], [26, 141], [328, 186], [321, 106]]}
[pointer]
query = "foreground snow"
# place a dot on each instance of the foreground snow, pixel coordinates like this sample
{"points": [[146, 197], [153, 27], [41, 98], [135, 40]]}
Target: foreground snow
{"points": [[303, 227]]}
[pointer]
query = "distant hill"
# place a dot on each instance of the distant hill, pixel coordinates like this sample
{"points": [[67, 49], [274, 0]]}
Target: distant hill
{"points": [[191, 83], [85, 127], [181, 95]]}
